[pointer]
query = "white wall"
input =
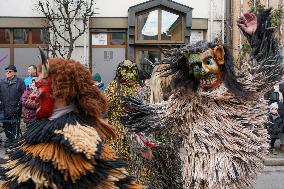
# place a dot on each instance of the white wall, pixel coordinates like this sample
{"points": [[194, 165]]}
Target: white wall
{"points": [[105, 8], [19, 8]]}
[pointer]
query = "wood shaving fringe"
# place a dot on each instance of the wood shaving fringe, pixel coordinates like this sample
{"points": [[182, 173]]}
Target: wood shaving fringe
{"points": [[83, 139], [72, 166], [218, 150]]}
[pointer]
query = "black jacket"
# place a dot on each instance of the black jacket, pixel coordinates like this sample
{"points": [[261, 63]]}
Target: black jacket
{"points": [[272, 96], [10, 96], [275, 126]]}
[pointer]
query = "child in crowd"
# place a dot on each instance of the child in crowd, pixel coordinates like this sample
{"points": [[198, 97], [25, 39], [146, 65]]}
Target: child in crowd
{"points": [[275, 125]]}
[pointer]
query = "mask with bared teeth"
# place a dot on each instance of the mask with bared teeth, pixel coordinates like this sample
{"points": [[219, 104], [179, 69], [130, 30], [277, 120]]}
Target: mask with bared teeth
{"points": [[206, 67]]}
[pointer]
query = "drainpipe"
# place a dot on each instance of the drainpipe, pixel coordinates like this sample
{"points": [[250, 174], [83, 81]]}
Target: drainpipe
{"points": [[223, 20], [85, 46], [241, 12], [211, 21], [228, 18]]}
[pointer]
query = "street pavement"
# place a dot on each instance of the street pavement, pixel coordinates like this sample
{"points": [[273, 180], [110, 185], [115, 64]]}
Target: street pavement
{"points": [[271, 178]]}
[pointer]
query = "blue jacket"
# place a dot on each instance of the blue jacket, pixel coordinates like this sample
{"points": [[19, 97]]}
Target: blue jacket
{"points": [[10, 95], [28, 80]]}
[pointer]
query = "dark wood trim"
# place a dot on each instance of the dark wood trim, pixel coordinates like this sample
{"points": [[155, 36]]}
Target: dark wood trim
{"points": [[27, 45], [158, 42], [159, 24], [12, 56], [11, 36], [11, 46], [5, 45], [108, 39], [30, 35], [137, 49], [108, 46]]}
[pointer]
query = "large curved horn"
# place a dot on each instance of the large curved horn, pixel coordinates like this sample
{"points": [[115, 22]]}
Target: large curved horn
{"points": [[44, 63]]}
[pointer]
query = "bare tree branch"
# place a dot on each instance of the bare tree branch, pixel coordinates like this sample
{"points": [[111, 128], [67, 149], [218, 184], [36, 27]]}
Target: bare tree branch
{"points": [[63, 17]]}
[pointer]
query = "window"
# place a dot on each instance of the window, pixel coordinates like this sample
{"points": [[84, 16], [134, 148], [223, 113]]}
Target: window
{"points": [[159, 25], [40, 36], [171, 26], [99, 39], [146, 58], [24, 36], [117, 38], [109, 38], [148, 26], [20, 36], [4, 36]]}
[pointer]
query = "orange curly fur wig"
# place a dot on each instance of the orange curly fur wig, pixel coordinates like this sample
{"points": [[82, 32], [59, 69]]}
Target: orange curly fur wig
{"points": [[73, 82]]}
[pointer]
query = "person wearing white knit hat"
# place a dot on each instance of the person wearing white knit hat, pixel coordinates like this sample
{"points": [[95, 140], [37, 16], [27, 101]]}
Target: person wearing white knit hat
{"points": [[275, 125]]}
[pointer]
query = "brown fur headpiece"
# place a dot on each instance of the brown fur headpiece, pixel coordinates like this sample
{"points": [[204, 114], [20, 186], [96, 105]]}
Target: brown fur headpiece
{"points": [[73, 82]]}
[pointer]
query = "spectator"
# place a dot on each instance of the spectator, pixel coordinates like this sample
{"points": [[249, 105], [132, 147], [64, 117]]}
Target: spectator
{"points": [[29, 103], [275, 124], [98, 81], [32, 71], [276, 96], [11, 90], [28, 99]]}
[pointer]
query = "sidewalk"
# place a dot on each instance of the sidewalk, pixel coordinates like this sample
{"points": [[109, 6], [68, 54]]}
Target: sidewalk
{"points": [[275, 159]]}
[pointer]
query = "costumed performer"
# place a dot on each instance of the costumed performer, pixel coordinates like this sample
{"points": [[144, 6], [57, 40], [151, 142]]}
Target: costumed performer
{"points": [[65, 148], [218, 114]]}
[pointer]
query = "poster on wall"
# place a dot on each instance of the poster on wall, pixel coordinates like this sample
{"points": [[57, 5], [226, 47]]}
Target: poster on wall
{"points": [[99, 39], [196, 35]]}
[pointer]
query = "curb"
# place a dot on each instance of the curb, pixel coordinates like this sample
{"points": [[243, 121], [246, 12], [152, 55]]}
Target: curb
{"points": [[274, 161]]}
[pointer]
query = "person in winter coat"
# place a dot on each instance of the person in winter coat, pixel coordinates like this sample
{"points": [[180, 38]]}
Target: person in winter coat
{"points": [[275, 124], [29, 99], [29, 103], [11, 90]]}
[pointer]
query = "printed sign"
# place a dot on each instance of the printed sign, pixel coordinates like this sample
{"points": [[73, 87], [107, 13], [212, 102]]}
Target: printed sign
{"points": [[99, 39]]}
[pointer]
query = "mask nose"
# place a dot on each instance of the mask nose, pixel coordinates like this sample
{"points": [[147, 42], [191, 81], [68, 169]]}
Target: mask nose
{"points": [[202, 72]]}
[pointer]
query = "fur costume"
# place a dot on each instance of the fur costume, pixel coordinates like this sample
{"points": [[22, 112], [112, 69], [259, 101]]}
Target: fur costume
{"points": [[215, 117], [125, 84], [133, 147], [66, 150], [162, 170]]}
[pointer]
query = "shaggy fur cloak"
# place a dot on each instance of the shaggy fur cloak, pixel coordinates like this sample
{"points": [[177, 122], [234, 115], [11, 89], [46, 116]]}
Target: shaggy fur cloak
{"points": [[223, 138]]}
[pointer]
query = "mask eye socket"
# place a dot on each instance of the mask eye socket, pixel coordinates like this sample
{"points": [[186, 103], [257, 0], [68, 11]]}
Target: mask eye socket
{"points": [[196, 68], [209, 61]]}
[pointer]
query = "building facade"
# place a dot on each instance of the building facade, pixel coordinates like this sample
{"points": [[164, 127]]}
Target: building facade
{"points": [[126, 29]]}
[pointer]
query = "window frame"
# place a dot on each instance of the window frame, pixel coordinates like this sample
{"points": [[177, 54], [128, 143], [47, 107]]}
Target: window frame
{"points": [[146, 48], [13, 45], [108, 45], [159, 41], [19, 45]]}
